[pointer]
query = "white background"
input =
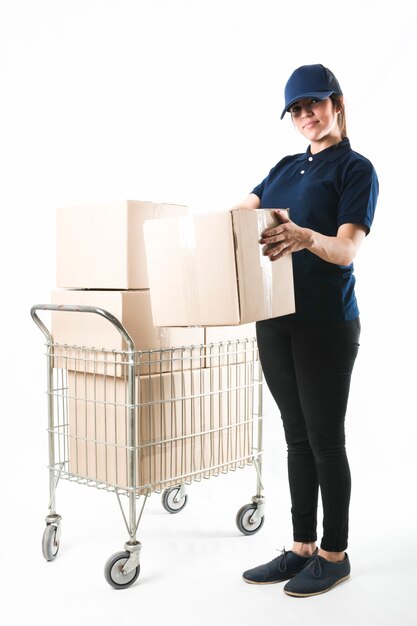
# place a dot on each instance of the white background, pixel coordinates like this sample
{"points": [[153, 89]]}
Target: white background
{"points": [[179, 101]]}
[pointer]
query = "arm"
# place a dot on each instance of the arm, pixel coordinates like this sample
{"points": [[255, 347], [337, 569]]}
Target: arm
{"points": [[251, 202], [288, 237]]}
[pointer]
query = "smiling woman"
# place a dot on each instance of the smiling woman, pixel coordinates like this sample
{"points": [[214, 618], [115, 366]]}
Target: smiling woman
{"points": [[308, 357]]}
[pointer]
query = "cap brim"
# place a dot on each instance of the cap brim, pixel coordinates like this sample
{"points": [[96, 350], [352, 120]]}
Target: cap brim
{"points": [[319, 95]]}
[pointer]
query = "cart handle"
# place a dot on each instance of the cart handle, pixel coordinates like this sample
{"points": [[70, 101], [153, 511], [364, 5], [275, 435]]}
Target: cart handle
{"points": [[82, 309]]}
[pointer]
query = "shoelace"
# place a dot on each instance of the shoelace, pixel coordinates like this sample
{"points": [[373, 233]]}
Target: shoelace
{"points": [[282, 560], [314, 565]]}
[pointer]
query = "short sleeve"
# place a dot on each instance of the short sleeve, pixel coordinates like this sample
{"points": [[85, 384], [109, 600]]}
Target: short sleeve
{"points": [[259, 189], [360, 193]]}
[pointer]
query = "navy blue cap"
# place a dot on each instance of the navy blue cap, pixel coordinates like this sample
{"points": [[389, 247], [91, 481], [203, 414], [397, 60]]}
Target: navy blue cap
{"points": [[310, 81]]}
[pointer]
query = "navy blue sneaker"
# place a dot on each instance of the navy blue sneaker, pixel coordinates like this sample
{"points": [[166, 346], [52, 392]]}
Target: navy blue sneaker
{"points": [[318, 576], [283, 567]]}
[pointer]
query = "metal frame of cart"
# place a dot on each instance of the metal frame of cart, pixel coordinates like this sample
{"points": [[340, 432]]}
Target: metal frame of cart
{"points": [[136, 422]]}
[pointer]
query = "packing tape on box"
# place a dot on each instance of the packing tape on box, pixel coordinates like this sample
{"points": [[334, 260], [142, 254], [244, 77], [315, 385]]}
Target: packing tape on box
{"points": [[157, 212], [188, 244], [265, 264]]}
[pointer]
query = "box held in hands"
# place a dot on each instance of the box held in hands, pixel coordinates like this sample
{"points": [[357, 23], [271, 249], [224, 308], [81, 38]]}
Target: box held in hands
{"points": [[209, 270]]}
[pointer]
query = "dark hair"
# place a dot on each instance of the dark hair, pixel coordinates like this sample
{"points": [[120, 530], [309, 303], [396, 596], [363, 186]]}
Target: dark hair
{"points": [[339, 104]]}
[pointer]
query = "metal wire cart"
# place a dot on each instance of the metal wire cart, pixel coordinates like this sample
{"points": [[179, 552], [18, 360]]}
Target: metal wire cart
{"points": [[137, 422]]}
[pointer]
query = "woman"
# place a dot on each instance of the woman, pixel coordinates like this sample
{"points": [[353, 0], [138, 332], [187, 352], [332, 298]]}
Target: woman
{"points": [[308, 357]]}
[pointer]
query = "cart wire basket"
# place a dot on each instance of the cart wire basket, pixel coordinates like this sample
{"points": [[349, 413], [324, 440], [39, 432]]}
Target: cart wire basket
{"points": [[141, 422]]}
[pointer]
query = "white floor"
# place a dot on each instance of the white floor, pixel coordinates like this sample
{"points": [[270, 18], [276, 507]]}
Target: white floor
{"points": [[191, 562]]}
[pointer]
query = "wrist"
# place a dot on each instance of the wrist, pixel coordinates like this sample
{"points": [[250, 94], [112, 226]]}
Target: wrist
{"points": [[309, 239]]}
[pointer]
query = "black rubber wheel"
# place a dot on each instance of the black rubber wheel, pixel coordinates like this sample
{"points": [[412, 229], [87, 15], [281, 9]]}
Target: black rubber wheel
{"points": [[50, 542], [113, 571], [243, 520], [168, 500]]}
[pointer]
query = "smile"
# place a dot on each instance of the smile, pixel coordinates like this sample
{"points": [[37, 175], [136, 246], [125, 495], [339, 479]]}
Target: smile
{"points": [[310, 124]]}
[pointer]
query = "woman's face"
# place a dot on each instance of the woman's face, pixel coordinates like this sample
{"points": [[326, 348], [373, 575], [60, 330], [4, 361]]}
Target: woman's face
{"points": [[317, 121]]}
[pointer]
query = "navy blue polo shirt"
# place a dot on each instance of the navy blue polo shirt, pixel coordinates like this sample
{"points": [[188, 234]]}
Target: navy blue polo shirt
{"points": [[323, 191]]}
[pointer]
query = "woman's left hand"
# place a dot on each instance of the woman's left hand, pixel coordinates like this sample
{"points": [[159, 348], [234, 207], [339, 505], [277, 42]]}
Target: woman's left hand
{"points": [[284, 239]]}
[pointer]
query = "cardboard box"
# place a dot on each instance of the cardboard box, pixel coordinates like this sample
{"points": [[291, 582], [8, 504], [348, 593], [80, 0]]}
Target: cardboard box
{"points": [[209, 270], [191, 425], [101, 246], [132, 308]]}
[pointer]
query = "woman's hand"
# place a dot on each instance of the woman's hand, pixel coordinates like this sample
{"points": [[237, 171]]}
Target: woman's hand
{"points": [[285, 238], [288, 237]]}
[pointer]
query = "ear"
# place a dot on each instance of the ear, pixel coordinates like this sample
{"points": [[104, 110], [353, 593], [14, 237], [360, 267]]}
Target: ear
{"points": [[342, 102]]}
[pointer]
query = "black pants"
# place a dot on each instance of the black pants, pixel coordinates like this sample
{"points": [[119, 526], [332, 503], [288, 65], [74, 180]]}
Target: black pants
{"points": [[307, 367]]}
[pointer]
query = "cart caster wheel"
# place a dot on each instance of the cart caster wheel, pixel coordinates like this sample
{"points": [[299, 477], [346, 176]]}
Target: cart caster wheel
{"points": [[50, 541], [170, 504], [113, 571], [243, 520]]}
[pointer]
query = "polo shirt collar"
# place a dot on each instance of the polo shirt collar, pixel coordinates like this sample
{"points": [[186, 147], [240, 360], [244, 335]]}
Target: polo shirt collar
{"points": [[329, 154]]}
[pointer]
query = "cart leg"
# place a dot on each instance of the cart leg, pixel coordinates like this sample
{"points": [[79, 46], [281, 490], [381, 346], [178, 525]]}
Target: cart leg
{"points": [[259, 499], [259, 511], [52, 534], [133, 548], [122, 568], [51, 537], [250, 517]]}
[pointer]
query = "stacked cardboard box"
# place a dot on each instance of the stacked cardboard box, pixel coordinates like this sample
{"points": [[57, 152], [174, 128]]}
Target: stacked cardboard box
{"points": [[102, 247], [101, 262]]}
